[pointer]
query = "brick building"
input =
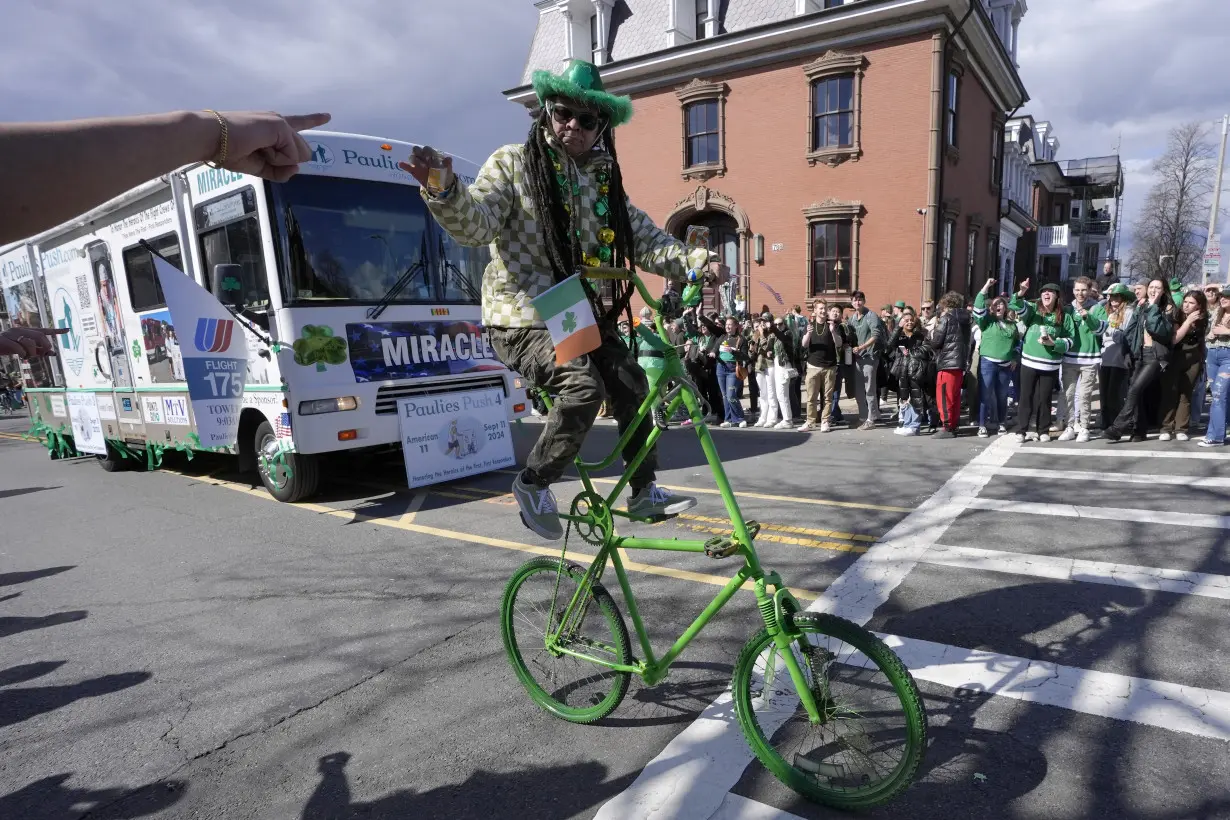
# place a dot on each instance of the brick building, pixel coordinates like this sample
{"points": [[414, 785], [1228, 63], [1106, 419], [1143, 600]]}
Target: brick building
{"points": [[828, 146]]}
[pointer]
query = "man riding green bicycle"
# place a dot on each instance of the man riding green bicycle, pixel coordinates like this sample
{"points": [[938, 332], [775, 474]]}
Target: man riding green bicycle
{"points": [[548, 207]]}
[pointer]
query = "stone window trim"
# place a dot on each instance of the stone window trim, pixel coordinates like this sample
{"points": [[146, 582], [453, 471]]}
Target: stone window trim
{"points": [[835, 210], [831, 64], [699, 90]]}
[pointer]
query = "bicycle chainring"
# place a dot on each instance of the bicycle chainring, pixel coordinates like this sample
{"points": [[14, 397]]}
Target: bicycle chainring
{"points": [[595, 526]]}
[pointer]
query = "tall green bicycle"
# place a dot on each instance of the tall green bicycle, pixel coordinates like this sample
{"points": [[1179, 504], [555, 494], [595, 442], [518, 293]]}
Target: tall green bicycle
{"points": [[845, 726]]}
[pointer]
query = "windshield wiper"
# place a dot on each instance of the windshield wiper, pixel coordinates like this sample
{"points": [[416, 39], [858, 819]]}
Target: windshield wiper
{"points": [[417, 266], [451, 270]]}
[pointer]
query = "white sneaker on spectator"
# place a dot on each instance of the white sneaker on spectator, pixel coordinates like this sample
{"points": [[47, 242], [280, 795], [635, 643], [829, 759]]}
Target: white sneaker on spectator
{"points": [[782, 425], [1163, 436], [724, 424], [1082, 436], [906, 431], [743, 423], [1182, 437], [1019, 438], [807, 427], [1031, 436], [1044, 437], [1067, 435], [825, 427], [982, 432], [1001, 431]]}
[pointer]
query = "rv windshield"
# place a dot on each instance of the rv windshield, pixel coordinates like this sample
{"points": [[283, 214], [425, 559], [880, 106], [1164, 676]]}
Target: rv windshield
{"points": [[347, 240]]}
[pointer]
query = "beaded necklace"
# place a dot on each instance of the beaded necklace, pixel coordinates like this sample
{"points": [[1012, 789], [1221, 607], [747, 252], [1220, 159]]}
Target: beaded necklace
{"points": [[602, 253]]}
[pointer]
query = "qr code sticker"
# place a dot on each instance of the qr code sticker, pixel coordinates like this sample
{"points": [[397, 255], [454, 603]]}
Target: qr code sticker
{"points": [[83, 292]]}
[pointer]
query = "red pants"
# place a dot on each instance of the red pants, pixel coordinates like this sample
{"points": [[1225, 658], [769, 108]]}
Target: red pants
{"points": [[948, 397]]}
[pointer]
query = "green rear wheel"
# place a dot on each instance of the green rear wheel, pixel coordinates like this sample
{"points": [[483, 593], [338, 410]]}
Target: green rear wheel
{"points": [[870, 744], [571, 688]]}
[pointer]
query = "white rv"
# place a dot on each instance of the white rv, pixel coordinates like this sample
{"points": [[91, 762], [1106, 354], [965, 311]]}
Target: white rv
{"points": [[351, 295]]}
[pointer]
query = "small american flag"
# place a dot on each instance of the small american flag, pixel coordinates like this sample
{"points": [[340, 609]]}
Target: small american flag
{"points": [[281, 427]]}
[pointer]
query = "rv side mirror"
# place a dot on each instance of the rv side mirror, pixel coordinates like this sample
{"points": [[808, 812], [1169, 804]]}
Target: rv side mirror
{"points": [[227, 285]]}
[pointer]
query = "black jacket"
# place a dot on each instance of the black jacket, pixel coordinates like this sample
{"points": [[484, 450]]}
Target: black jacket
{"points": [[951, 340]]}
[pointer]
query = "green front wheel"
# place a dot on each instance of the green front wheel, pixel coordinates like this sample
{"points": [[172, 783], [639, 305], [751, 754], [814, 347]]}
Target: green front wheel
{"points": [[869, 743], [535, 602]]}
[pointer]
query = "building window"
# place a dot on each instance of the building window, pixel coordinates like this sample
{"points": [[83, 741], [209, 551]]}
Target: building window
{"points": [[992, 255], [832, 4], [835, 101], [971, 258], [832, 112], [702, 14], [997, 155], [702, 133], [950, 230], [595, 51], [950, 109], [704, 140], [833, 229]]}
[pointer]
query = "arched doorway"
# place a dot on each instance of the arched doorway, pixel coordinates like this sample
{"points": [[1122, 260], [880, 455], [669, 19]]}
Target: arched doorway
{"points": [[729, 237]]}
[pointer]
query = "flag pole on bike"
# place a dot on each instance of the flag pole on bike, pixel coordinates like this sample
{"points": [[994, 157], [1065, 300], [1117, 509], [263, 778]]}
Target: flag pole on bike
{"points": [[550, 208]]}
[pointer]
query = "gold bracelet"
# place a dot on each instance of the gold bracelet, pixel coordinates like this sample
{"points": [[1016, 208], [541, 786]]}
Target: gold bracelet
{"points": [[223, 143]]}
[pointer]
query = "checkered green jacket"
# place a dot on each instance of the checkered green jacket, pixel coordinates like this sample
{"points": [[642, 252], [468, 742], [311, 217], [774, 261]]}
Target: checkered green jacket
{"points": [[497, 209]]}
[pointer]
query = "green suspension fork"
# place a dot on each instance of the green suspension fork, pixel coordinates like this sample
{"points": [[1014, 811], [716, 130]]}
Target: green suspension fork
{"points": [[773, 614]]}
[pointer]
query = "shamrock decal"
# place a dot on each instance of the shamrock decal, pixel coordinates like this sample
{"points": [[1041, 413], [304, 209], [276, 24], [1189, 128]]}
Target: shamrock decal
{"points": [[319, 346], [570, 322], [136, 349]]}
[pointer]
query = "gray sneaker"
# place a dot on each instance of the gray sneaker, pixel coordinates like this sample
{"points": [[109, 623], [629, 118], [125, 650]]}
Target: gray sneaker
{"points": [[653, 501], [538, 509]]}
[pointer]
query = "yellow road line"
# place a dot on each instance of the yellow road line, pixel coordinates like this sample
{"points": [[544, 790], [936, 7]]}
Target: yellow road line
{"points": [[790, 499], [473, 538], [845, 536], [412, 509], [20, 437], [782, 539], [481, 494]]}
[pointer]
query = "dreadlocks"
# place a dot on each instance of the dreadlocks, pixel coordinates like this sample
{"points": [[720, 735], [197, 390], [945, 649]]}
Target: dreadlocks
{"points": [[563, 246]]}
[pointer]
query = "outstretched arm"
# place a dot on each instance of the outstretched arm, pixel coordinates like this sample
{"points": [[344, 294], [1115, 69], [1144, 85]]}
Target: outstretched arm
{"points": [[51, 172]]}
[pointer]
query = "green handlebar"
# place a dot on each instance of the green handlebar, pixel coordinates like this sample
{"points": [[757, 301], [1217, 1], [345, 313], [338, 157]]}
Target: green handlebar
{"points": [[691, 292]]}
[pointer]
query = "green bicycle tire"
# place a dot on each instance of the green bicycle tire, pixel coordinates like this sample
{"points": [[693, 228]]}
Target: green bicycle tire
{"points": [[610, 612], [893, 669]]}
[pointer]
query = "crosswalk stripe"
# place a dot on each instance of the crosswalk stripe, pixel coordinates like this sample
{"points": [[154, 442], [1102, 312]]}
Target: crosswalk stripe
{"points": [[1194, 482], [1090, 452], [1177, 519], [737, 807], [1190, 709], [1079, 569]]}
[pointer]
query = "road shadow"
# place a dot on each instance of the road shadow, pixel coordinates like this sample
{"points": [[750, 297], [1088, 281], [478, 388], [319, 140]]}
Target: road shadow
{"points": [[25, 491], [17, 624], [17, 705], [12, 578], [51, 799], [540, 793], [28, 672]]}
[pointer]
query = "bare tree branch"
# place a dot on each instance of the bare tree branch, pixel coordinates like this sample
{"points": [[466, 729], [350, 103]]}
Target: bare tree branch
{"points": [[1170, 231]]}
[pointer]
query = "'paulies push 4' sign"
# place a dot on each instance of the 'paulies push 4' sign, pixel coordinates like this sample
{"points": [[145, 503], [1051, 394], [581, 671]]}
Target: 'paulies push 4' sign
{"points": [[216, 364]]}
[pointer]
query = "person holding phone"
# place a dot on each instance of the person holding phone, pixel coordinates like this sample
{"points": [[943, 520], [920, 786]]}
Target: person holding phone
{"points": [[1149, 337], [1048, 335]]}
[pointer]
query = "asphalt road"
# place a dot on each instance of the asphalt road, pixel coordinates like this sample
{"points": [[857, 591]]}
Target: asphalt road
{"points": [[176, 644]]}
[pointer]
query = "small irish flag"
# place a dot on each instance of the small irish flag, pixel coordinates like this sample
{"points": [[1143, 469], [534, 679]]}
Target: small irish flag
{"points": [[569, 317]]}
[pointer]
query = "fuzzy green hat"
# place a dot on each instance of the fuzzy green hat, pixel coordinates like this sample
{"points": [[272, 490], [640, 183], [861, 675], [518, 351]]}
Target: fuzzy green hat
{"points": [[582, 82], [1122, 291]]}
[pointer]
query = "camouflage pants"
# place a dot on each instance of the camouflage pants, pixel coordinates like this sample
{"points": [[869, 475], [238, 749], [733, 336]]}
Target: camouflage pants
{"points": [[578, 388]]}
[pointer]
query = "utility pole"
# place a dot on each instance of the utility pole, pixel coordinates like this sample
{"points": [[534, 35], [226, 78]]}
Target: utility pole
{"points": [[1221, 161]]}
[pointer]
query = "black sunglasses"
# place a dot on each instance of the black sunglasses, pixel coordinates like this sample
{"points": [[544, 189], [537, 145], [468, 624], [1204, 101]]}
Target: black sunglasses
{"points": [[563, 115]]}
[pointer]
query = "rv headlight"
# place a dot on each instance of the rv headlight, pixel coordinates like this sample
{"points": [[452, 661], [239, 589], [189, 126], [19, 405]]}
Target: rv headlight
{"points": [[318, 406]]}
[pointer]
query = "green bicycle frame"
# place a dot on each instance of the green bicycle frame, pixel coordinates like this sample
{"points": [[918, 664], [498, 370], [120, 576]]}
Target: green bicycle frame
{"points": [[653, 669]]}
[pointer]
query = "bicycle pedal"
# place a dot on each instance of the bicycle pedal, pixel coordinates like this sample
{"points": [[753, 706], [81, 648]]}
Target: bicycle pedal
{"points": [[753, 529], [720, 547]]}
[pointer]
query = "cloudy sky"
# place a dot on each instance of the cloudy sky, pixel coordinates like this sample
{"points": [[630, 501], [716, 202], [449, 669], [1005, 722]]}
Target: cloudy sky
{"points": [[427, 71]]}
